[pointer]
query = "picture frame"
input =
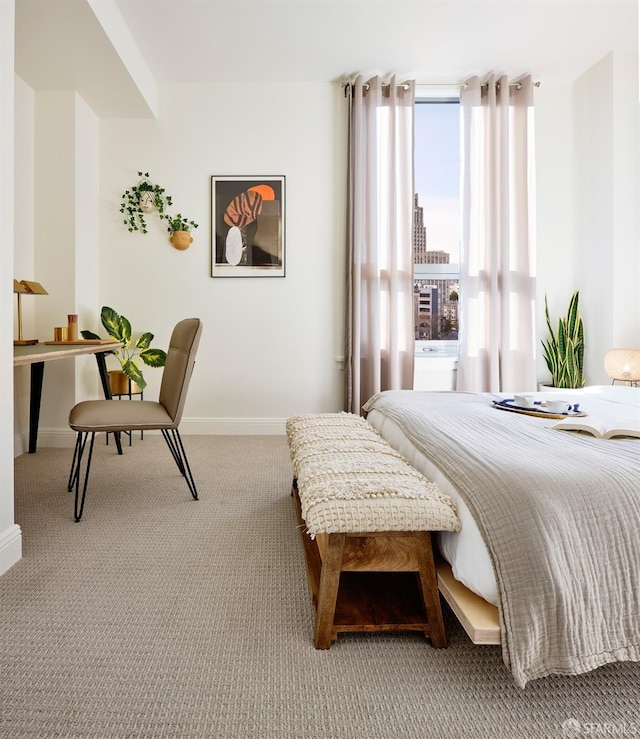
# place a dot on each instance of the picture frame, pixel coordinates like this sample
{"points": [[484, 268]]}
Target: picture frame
{"points": [[247, 226]]}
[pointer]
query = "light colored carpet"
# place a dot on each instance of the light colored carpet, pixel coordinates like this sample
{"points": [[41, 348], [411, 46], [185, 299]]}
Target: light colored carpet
{"points": [[160, 616]]}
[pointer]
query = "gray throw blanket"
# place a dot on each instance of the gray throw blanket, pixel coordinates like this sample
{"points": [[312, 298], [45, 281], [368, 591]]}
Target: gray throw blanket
{"points": [[560, 515]]}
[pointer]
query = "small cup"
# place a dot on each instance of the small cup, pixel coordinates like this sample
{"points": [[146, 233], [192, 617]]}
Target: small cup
{"points": [[558, 406], [60, 333], [523, 401]]}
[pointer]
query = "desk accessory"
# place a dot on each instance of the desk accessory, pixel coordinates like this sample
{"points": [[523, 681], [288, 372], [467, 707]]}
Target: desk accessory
{"points": [[72, 330], [25, 287]]}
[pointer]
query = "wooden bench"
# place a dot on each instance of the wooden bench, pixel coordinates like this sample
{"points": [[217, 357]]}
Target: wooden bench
{"points": [[366, 518]]}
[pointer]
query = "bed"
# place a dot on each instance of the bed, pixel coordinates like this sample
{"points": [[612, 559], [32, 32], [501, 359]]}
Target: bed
{"points": [[550, 519]]}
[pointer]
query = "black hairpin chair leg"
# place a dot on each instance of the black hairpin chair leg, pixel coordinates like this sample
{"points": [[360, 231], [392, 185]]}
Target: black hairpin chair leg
{"points": [[74, 475], [174, 442]]}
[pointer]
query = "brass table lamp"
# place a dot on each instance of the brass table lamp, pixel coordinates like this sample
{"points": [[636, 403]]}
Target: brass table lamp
{"points": [[29, 288]]}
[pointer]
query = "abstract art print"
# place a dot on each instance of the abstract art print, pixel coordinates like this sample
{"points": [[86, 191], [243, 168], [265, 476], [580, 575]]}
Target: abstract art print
{"points": [[247, 226]]}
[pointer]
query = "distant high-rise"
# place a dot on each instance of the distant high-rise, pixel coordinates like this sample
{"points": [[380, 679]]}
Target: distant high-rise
{"points": [[435, 314], [419, 233]]}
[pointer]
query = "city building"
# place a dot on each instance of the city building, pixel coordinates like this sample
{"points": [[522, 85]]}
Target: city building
{"points": [[419, 233], [427, 313], [436, 315]]}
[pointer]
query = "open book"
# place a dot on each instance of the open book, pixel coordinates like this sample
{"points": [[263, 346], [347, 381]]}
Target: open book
{"points": [[598, 428]]}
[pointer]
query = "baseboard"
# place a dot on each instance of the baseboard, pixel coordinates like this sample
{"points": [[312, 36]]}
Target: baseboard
{"points": [[57, 438], [65, 438], [20, 444], [234, 426], [10, 547]]}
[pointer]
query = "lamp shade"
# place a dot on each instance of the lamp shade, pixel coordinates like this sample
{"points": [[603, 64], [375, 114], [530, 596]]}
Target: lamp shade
{"points": [[25, 287], [31, 287], [623, 364]]}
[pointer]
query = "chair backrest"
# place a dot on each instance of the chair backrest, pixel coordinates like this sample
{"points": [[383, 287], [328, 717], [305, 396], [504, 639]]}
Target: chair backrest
{"points": [[179, 366]]}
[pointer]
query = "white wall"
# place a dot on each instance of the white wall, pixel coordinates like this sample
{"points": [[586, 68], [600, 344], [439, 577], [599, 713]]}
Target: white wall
{"points": [[10, 533], [86, 274], [625, 295], [556, 251], [23, 251], [270, 345], [607, 264], [55, 236], [56, 243], [594, 196]]}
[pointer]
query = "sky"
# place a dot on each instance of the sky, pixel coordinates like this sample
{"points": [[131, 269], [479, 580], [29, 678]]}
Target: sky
{"points": [[437, 173]]}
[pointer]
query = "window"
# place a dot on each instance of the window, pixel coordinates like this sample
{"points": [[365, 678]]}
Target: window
{"points": [[436, 223]]}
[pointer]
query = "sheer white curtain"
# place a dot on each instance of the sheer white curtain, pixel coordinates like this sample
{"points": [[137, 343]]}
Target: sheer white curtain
{"points": [[379, 333], [497, 281]]}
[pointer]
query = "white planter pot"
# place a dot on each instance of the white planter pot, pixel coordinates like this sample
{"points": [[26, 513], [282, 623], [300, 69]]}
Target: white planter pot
{"points": [[544, 388]]}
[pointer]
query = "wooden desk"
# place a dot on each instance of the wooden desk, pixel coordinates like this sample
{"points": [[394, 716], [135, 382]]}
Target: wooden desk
{"points": [[37, 354]]}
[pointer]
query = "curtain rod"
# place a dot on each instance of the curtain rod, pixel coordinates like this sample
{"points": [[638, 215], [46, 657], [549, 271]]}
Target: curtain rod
{"points": [[453, 86]]}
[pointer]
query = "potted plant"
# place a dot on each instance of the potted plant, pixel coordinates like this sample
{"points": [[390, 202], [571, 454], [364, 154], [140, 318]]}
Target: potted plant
{"points": [[145, 197], [564, 351], [119, 328], [179, 228]]}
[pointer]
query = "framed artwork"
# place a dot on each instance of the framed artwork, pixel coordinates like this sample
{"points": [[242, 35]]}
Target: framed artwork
{"points": [[247, 226]]}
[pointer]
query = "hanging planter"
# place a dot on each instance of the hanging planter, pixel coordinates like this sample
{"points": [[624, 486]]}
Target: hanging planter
{"points": [[141, 199], [144, 198], [181, 239], [179, 229], [147, 201]]}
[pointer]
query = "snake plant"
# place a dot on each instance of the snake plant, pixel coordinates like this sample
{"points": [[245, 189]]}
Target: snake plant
{"points": [[564, 351], [119, 328]]}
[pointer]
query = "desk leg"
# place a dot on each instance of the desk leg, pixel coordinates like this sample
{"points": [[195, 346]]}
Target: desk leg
{"points": [[106, 388], [102, 370], [37, 373]]}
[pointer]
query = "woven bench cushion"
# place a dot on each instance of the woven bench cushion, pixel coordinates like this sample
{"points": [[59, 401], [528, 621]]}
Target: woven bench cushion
{"points": [[350, 480]]}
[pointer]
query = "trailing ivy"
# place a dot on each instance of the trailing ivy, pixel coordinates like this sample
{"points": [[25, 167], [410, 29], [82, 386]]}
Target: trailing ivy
{"points": [[134, 216]]}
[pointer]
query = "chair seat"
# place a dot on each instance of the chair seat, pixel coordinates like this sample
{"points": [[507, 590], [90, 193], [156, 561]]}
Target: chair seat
{"points": [[114, 415]]}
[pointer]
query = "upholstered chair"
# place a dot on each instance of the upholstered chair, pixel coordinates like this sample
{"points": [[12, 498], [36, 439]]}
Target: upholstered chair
{"points": [[94, 416]]}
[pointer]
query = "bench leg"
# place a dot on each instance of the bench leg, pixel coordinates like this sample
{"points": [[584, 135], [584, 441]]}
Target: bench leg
{"points": [[328, 593], [430, 594]]}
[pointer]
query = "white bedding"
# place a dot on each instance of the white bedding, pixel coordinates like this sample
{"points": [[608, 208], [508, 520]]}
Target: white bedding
{"points": [[558, 511], [466, 550]]}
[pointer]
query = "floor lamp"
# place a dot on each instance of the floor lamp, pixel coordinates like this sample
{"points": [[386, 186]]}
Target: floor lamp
{"points": [[25, 287]]}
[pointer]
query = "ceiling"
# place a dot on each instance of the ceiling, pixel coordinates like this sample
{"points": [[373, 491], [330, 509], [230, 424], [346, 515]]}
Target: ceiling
{"points": [[59, 43], [321, 40]]}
